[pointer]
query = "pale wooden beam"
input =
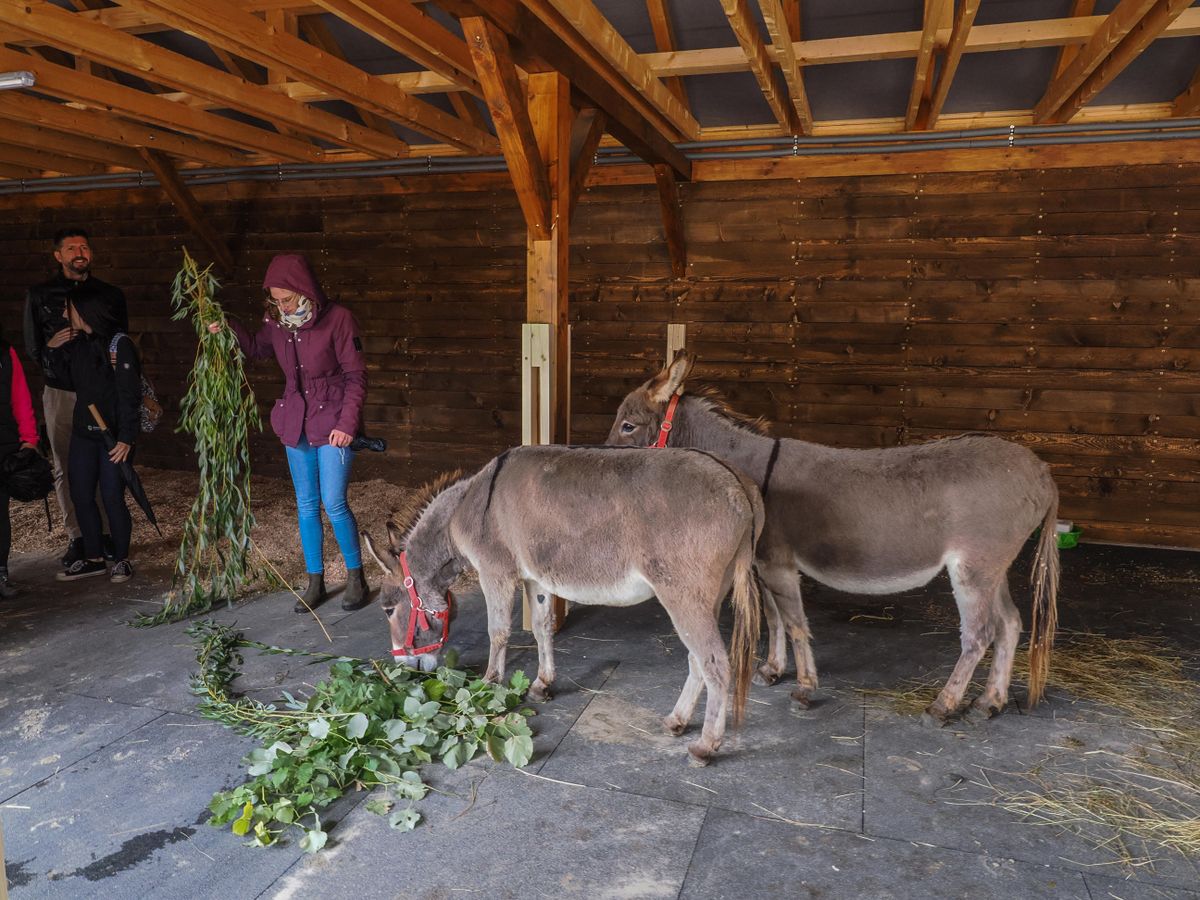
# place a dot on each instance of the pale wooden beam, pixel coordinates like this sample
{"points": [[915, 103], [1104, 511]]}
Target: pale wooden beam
{"points": [[745, 29], [672, 213], [55, 26], [105, 126], [919, 94], [664, 41], [1128, 30], [1066, 53], [106, 96], [1188, 103], [776, 18], [507, 103], [189, 209], [585, 139], [221, 22], [963, 20]]}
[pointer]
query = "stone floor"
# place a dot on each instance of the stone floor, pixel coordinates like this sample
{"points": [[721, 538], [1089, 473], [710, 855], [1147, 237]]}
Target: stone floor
{"points": [[105, 770]]}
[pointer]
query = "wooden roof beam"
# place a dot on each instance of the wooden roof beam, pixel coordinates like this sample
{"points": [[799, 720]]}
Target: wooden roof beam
{"points": [[664, 40], [672, 213], [920, 93], [319, 35], [745, 29], [10, 170], [1188, 103], [223, 23], [585, 139], [55, 26], [106, 96], [508, 104], [1126, 32], [784, 28], [189, 209], [107, 127], [963, 20], [44, 160], [1066, 52], [398, 24], [77, 146]]}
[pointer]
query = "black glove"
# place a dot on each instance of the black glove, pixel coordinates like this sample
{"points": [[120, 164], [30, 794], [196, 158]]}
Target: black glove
{"points": [[362, 442]]}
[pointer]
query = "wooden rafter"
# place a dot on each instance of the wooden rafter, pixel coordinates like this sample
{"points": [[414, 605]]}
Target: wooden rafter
{"points": [[746, 30], [189, 209], [319, 35], [398, 24], [776, 18], [48, 161], [107, 127], [1188, 103], [585, 139], [672, 213], [63, 29], [220, 22], [468, 110], [919, 95], [510, 113], [77, 146], [664, 41], [1066, 52], [67, 84], [10, 170], [1127, 31], [964, 18]]}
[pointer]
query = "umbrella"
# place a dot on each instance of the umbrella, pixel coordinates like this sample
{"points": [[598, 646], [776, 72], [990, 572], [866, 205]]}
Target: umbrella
{"points": [[132, 481]]}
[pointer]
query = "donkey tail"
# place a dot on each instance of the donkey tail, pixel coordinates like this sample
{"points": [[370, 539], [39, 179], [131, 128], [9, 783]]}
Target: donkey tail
{"points": [[747, 612], [1044, 578]]}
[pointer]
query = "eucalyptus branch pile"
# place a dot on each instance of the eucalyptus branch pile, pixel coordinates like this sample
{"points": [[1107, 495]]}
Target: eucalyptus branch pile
{"points": [[366, 726], [218, 410]]}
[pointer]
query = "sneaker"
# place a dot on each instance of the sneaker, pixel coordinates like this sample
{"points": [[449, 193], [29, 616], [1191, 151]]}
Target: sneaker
{"points": [[122, 571], [108, 547], [74, 553], [8, 590], [82, 568]]}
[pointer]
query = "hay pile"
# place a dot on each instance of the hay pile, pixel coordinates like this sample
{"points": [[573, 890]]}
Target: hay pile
{"points": [[276, 533]]}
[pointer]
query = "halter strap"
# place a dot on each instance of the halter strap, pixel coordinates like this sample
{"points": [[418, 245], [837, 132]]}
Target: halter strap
{"points": [[419, 612], [664, 430]]}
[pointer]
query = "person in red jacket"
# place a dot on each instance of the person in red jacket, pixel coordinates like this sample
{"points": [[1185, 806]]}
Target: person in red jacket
{"points": [[317, 345], [18, 429]]}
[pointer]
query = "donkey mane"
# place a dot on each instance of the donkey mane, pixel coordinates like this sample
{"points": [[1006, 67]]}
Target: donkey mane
{"points": [[712, 399], [410, 512]]}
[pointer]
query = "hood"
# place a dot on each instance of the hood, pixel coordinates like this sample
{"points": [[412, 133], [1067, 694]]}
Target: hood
{"points": [[292, 272]]}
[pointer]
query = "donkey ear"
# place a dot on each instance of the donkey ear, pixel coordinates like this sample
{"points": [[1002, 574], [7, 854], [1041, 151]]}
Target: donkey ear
{"points": [[670, 380], [395, 536], [387, 562]]}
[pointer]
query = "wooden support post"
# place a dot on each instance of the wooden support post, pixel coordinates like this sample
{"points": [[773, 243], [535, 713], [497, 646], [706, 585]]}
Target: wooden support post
{"points": [[188, 208], [676, 340], [672, 213]]}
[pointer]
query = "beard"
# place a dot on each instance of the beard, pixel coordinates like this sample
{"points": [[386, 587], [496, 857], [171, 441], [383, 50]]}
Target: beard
{"points": [[81, 265]]}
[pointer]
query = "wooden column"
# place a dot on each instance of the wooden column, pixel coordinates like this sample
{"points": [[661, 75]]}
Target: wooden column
{"points": [[676, 340]]}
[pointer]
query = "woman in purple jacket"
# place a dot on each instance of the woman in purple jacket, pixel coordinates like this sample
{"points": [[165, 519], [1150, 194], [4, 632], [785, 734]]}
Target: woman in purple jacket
{"points": [[317, 345]]}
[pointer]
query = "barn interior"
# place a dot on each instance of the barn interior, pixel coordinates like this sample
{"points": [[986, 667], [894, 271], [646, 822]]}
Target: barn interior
{"points": [[873, 224]]}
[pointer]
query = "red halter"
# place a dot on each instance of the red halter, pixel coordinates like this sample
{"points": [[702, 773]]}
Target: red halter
{"points": [[418, 612], [664, 430]]}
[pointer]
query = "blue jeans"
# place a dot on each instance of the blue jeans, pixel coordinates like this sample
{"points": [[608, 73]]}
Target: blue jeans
{"points": [[320, 476]]}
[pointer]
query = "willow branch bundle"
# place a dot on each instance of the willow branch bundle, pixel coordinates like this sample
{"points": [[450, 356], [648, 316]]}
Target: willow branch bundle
{"points": [[219, 411]]}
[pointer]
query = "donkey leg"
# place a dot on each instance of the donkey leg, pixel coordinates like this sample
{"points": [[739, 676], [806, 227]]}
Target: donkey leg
{"points": [[974, 592], [783, 582], [776, 661], [1008, 632], [696, 626], [677, 722], [543, 631], [498, 591]]}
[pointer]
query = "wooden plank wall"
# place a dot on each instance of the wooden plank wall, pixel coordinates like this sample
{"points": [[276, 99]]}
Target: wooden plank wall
{"points": [[1060, 308]]}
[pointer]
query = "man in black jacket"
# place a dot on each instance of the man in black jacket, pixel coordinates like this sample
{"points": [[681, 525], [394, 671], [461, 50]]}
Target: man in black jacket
{"points": [[46, 331]]}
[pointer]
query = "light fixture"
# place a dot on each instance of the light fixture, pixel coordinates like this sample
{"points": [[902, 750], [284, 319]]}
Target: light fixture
{"points": [[10, 80]]}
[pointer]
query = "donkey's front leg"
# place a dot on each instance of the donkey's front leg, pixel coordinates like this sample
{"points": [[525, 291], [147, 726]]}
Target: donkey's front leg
{"points": [[498, 593], [542, 612]]}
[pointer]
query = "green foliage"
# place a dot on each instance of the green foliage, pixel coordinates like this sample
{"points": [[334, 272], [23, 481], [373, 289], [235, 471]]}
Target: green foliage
{"points": [[365, 726], [218, 410]]}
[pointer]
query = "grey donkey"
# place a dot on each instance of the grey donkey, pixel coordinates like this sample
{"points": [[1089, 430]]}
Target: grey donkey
{"points": [[596, 526], [878, 522]]}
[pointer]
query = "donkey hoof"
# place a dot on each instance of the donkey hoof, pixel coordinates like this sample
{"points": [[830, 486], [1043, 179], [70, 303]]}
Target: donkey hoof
{"points": [[540, 693], [933, 718], [674, 726], [765, 676], [699, 755], [801, 698]]}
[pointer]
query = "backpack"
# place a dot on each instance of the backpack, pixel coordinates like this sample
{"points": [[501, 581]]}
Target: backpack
{"points": [[26, 475], [151, 410]]}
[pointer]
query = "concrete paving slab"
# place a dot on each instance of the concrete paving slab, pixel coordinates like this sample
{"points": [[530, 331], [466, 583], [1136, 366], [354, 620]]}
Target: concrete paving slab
{"points": [[739, 856], [502, 834], [128, 821], [1102, 888], [43, 732]]}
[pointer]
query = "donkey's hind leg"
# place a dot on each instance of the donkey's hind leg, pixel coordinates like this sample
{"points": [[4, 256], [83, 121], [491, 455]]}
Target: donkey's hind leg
{"points": [[542, 610], [975, 592], [677, 722], [696, 626], [1007, 622], [784, 584]]}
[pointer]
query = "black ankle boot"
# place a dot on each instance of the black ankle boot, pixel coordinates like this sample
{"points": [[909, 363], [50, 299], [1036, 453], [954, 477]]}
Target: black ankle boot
{"points": [[314, 594], [358, 593]]}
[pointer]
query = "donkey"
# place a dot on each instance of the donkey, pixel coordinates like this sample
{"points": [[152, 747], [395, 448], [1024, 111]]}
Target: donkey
{"points": [[595, 526], [879, 522]]}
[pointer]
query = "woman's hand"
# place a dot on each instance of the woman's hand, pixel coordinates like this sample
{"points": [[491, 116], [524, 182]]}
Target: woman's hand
{"points": [[339, 438], [60, 337], [214, 327], [120, 452]]}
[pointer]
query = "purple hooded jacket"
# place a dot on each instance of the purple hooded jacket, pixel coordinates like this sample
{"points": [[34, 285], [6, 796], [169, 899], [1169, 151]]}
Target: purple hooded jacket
{"points": [[322, 361]]}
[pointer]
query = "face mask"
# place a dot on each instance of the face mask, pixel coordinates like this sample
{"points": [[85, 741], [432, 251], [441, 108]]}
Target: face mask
{"points": [[295, 319]]}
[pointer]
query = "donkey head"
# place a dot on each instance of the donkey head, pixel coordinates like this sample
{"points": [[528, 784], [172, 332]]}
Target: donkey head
{"points": [[642, 411]]}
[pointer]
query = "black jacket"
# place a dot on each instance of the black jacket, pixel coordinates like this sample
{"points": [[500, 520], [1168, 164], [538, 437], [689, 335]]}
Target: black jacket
{"points": [[86, 368], [46, 310]]}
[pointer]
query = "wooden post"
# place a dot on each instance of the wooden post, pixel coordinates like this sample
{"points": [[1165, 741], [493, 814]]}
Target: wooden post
{"points": [[676, 340]]}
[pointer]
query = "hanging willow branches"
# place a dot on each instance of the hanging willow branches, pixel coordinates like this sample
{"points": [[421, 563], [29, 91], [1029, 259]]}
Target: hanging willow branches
{"points": [[218, 410]]}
